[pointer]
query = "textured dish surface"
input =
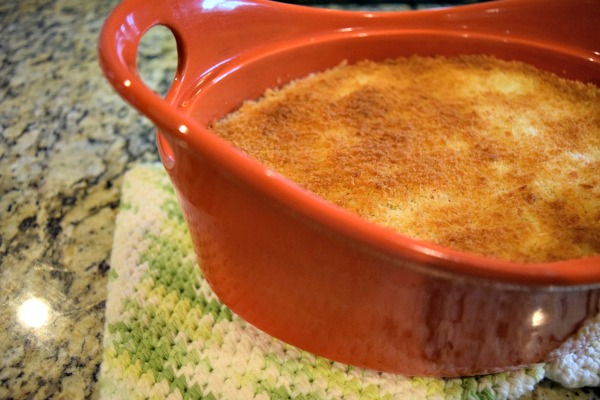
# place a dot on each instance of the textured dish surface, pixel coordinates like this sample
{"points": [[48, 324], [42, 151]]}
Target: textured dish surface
{"points": [[482, 155]]}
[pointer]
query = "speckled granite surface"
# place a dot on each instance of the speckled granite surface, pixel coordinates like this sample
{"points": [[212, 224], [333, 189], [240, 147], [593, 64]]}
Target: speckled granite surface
{"points": [[65, 141]]}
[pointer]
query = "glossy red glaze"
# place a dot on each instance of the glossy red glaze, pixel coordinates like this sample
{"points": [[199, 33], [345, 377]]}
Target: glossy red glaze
{"points": [[312, 274]]}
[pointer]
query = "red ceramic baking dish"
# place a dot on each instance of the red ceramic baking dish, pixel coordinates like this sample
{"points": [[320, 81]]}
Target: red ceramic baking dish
{"points": [[315, 275]]}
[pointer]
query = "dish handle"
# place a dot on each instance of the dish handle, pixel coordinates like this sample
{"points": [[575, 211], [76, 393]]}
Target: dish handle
{"points": [[118, 53]]}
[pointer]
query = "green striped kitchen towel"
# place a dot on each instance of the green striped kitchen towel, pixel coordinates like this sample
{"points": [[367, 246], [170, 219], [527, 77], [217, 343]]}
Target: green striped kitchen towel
{"points": [[168, 336]]}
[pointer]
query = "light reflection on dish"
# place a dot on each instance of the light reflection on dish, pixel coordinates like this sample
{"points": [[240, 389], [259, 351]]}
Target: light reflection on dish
{"points": [[538, 318]]}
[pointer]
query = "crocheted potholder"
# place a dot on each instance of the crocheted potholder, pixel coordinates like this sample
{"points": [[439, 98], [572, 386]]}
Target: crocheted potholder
{"points": [[168, 336]]}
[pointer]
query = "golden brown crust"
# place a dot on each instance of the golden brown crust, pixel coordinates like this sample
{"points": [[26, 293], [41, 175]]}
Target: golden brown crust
{"points": [[472, 152]]}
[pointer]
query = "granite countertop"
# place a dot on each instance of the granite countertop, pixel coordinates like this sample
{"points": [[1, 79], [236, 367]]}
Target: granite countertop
{"points": [[65, 141]]}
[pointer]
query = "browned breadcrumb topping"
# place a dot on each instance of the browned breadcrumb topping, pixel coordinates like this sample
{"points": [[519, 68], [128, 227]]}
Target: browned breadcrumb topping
{"points": [[474, 153]]}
